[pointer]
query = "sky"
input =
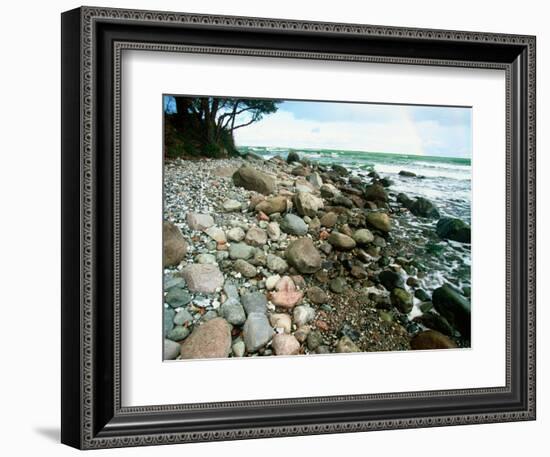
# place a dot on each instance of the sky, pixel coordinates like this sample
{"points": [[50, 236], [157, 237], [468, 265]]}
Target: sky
{"points": [[406, 129]]}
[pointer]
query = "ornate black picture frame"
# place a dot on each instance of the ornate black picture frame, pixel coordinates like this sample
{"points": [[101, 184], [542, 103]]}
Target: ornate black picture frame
{"points": [[92, 42]]}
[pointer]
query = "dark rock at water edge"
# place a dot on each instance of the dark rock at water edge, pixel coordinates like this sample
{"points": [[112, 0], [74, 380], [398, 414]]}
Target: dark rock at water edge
{"points": [[436, 322], [293, 156], [376, 192], [340, 170], [390, 280], [454, 307], [424, 208], [453, 229], [402, 300], [407, 174], [432, 339]]}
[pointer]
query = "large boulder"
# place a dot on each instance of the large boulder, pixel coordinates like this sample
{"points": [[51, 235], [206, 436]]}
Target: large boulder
{"points": [[257, 332], [307, 204], [252, 179], [293, 225], [432, 339], [272, 205], [341, 241], [424, 208], [204, 278], [304, 256], [380, 221], [450, 228], [174, 245], [209, 340], [454, 307]]}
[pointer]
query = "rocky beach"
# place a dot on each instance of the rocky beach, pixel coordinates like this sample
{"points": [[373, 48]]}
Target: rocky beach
{"points": [[289, 256]]}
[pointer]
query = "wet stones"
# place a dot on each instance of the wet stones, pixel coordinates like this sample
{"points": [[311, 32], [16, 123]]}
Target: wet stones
{"points": [[341, 241], [380, 221], [449, 228]]}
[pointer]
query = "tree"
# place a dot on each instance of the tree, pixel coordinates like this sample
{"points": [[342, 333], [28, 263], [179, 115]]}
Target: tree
{"points": [[211, 121]]}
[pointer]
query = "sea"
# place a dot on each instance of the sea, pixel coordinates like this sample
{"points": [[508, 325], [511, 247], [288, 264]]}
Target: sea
{"points": [[446, 181]]}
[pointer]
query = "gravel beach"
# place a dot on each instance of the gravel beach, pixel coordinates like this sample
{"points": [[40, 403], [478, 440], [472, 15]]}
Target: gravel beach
{"points": [[288, 256]]}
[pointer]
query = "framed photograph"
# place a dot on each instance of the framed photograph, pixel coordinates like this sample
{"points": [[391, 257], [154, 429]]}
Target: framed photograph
{"points": [[275, 227]]}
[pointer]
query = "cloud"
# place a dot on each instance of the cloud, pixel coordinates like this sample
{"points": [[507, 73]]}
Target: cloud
{"points": [[377, 128]]}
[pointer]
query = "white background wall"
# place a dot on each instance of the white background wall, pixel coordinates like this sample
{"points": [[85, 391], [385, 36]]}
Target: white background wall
{"points": [[30, 240]]}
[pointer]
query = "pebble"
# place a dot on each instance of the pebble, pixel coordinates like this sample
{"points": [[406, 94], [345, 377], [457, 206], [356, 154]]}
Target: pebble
{"points": [[177, 297], [235, 234], [183, 317], [200, 222], [254, 302], [302, 315], [284, 344], [178, 333], [257, 331], [244, 268], [238, 348], [171, 350], [233, 312], [205, 258], [276, 264], [282, 321], [241, 251], [272, 281], [230, 206], [217, 234]]}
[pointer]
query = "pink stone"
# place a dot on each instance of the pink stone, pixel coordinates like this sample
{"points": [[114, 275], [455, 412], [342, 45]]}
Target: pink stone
{"points": [[286, 295]]}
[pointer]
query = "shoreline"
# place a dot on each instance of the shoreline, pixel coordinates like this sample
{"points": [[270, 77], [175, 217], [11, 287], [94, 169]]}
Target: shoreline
{"points": [[292, 258]]}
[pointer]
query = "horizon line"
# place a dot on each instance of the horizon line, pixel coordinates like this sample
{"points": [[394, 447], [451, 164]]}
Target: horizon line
{"points": [[356, 150]]}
